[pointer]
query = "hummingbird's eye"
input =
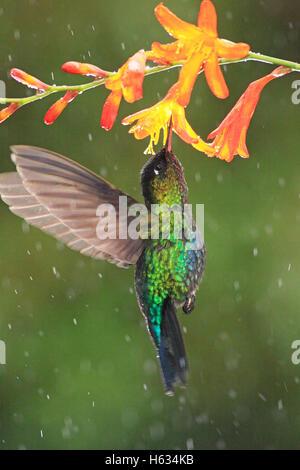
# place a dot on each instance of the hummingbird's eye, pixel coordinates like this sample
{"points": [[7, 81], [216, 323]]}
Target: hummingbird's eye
{"points": [[157, 169]]}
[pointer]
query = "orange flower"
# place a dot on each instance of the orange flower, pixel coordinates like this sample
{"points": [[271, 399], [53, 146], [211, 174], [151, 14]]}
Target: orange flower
{"points": [[157, 60], [127, 82], [199, 46], [28, 80], [230, 136], [84, 69], [6, 112], [150, 121], [58, 107]]}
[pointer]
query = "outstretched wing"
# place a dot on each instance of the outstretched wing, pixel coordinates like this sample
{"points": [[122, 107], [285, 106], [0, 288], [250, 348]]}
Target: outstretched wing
{"points": [[61, 198]]}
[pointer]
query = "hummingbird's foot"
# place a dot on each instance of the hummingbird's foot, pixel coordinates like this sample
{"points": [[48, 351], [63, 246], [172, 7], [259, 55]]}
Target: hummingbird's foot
{"points": [[189, 304]]}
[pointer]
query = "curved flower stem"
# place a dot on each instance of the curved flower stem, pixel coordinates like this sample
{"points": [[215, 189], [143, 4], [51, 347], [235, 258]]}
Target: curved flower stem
{"points": [[273, 60], [294, 66]]}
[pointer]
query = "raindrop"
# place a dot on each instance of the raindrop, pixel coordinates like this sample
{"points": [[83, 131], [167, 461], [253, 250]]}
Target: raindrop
{"points": [[17, 35], [262, 397], [190, 443], [221, 445], [219, 177], [56, 273], [232, 394]]}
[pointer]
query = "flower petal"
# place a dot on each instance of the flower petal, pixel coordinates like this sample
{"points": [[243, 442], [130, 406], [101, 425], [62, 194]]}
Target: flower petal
{"points": [[6, 112], [134, 117], [230, 136], [110, 109], [58, 107], [177, 50], [28, 80], [84, 69], [139, 131], [205, 147], [207, 19], [231, 50], [174, 25], [188, 75], [242, 148], [158, 60], [214, 77], [185, 132], [133, 77]]}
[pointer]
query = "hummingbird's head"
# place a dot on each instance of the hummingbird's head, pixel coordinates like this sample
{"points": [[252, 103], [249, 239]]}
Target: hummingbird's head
{"points": [[162, 179]]}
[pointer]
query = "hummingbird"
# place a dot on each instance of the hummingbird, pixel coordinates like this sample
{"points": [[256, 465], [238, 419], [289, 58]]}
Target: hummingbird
{"points": [[61, 197]]}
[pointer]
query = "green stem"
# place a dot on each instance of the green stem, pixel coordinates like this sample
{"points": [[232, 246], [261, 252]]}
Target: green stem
{"points": [[149, 71], [273, 60]]}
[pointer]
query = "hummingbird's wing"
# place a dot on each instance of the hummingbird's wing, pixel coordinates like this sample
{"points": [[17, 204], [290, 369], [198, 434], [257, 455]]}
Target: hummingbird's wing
{"points": [[61, 198]]}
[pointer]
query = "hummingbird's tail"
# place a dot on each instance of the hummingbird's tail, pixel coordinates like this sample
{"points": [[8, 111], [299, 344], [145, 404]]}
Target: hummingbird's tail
{"points": [[172, 355]]}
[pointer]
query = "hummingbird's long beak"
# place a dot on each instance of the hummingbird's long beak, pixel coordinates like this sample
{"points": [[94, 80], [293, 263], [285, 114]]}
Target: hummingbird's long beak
{"points": [[169, 136]]}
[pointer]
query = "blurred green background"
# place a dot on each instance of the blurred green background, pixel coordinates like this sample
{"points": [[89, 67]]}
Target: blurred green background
{"points": [[81, 371]]}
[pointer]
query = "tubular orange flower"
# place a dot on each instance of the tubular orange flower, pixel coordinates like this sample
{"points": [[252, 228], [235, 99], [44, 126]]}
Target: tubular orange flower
{"points": [[150, 121], [58, 107], [84, 69], [127, 82], [199, 46], [6, 112], [28, 80], [230, 136], [157, 60]]}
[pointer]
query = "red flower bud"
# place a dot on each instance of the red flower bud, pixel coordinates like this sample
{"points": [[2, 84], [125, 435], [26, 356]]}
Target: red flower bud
{"points": [[28, 80], [6, 112], [58, 107], [84, 69]]}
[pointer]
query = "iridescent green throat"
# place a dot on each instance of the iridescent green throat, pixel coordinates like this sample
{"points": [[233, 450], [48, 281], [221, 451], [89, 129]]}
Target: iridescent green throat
{"points": [[168, 189]]}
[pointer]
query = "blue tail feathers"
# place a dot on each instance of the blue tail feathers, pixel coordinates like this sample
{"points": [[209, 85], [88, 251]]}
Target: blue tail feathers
{"points": [[172, 355]]}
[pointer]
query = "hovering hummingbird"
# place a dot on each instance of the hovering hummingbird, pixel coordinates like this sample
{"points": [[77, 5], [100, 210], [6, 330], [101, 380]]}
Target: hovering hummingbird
{"points": [[61, 197]]}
